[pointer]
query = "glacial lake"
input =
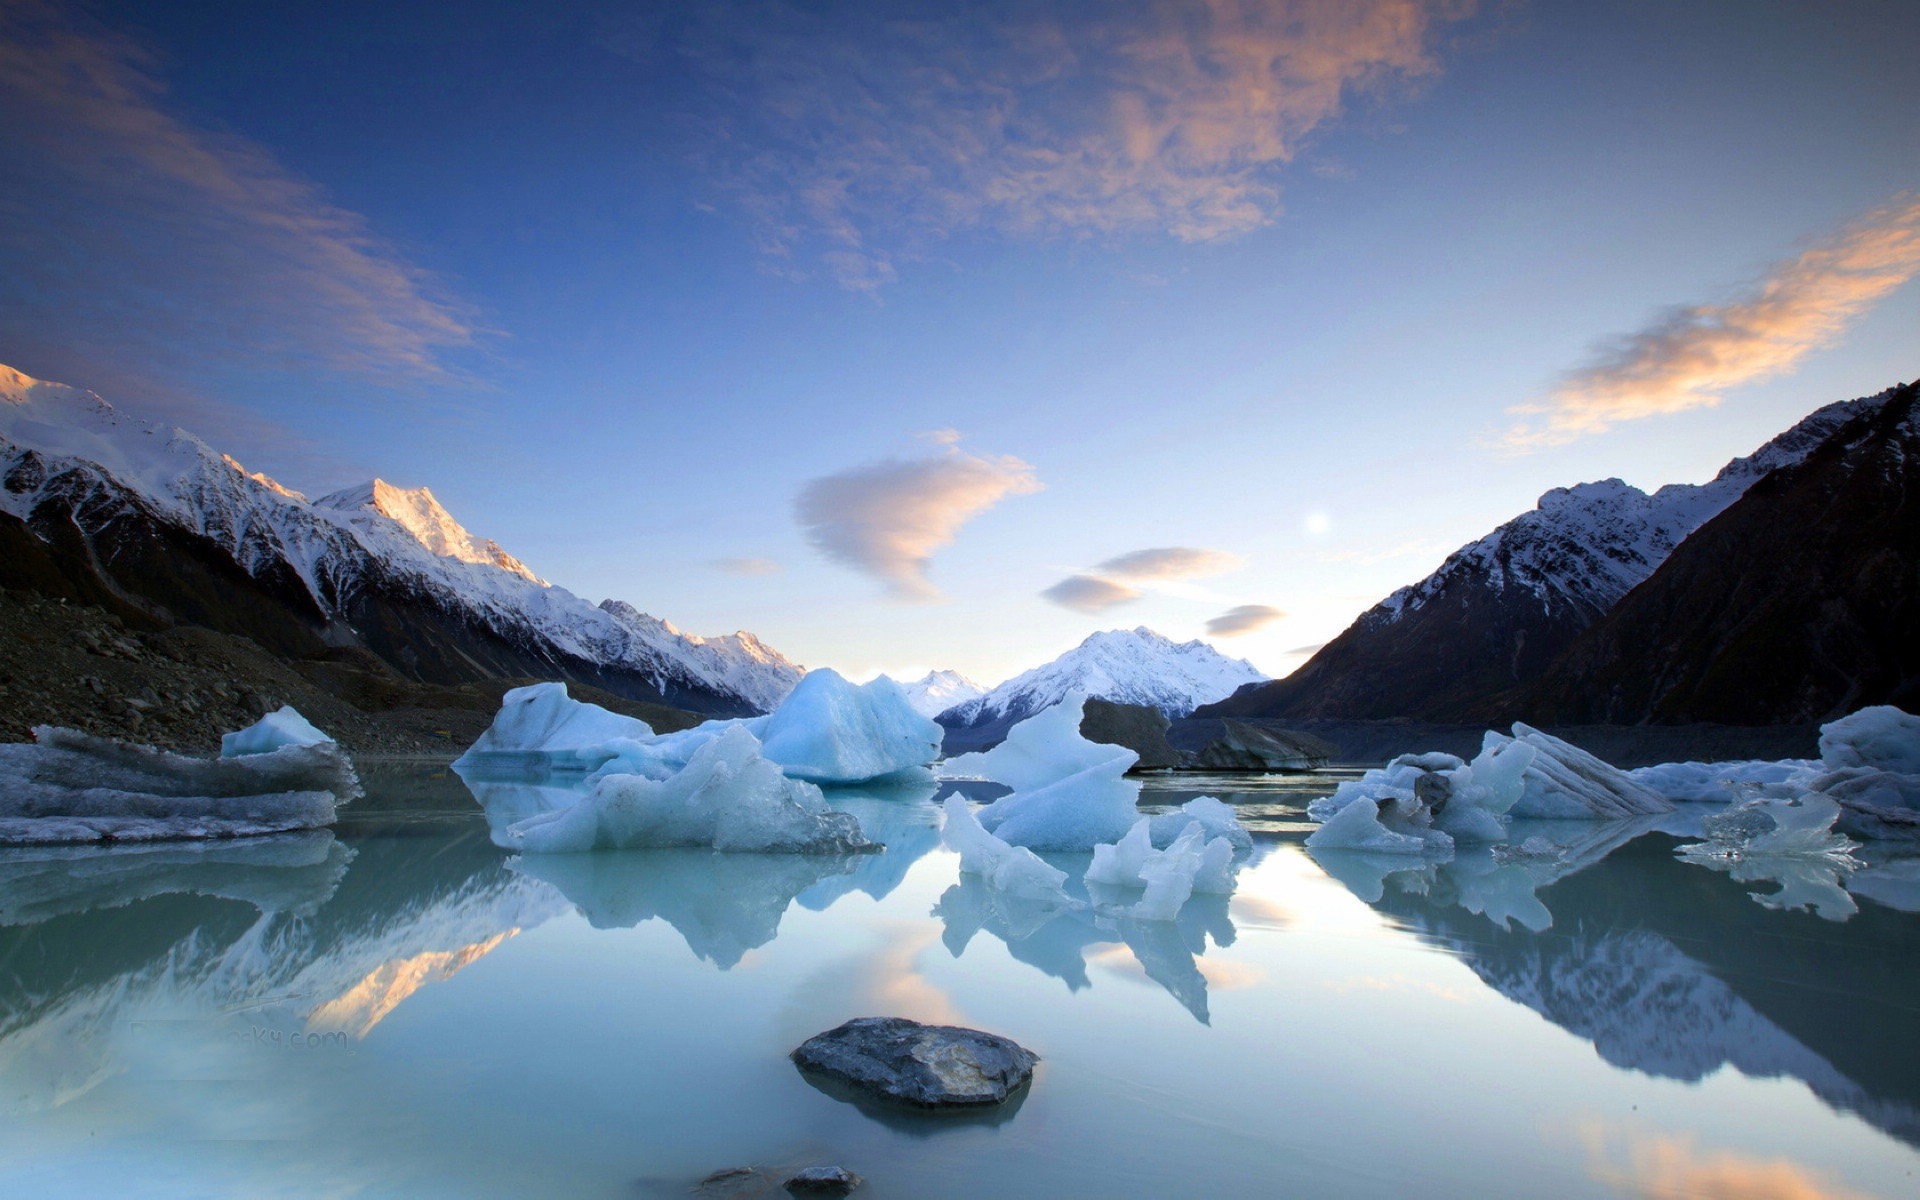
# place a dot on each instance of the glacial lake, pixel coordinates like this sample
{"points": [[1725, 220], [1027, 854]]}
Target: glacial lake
{"points": [[399, 1008]]}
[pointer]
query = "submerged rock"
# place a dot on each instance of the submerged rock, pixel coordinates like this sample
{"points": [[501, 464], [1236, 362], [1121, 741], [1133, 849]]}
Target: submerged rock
{"points": [[923, 1066], [823, 1181]]}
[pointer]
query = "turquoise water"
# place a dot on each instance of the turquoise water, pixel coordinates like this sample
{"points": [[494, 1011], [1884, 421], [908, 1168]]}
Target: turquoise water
{"points": [[399, 1008]]}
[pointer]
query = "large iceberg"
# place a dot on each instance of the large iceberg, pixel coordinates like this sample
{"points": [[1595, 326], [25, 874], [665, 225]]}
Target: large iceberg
{"points": [[1068, 793], [830, 731], [69, 786], [542, 723], [728, 797]]}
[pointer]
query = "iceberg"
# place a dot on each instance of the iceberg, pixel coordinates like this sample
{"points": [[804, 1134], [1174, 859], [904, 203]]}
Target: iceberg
{"points": [[1068, 793], [284, 726], [1881, 737], [1191, 863], [830, 731], [727, 797], [1785, 840], [542, 724], [1211, 813], [1720, 782], [1010, 870], [69, 786]]}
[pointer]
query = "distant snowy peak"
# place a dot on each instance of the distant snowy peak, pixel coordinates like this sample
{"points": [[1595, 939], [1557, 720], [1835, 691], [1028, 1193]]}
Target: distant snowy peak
{"points": [[738, 662], [1584, 547], [1136, 666], [416, 511], [937, 691]]}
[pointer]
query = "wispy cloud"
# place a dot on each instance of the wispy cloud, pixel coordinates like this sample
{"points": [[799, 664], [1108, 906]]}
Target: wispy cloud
{"points": [[747, 566], [1170, 562], [1690, 356], [126, 230], [888, 518], [1246, 618], [857, 140], [1090, 593]]}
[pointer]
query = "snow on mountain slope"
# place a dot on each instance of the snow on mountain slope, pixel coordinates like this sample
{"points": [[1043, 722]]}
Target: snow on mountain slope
{"points": [[1127, 666], [55, 437], [431, 525], [937, 691], [1586, 546]]}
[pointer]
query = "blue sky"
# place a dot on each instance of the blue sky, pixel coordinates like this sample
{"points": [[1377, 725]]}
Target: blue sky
{"points": [[867, 326]]}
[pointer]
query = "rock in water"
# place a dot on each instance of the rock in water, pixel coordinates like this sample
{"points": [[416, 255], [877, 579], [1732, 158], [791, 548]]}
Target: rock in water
{"points": [[823, 1181], [925, 1066]]}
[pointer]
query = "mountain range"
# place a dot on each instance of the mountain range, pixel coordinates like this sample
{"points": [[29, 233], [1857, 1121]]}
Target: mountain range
{"points": [[150, 523], [1783, 591]]}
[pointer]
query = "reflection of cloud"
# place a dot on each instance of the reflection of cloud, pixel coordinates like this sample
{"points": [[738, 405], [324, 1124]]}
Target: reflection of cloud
{"points": [[889, 981], [1398, 983], [1226, 975], [125, 231], [1691, 355], [887, 519], [1170, 562], [1246, 618], [747, 566], [1090, 593], [866, 137], [1661, 1165]]}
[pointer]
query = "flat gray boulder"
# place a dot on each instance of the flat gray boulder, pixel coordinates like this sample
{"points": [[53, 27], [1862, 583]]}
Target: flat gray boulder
{"points": [[922, 1066]]}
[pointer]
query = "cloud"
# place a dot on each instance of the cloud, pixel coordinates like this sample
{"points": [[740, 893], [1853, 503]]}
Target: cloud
{"points": [[1316, 648], [1646, 1163], [1090, 593], [1689, 356], [887, 519], [1244, 619], [747, 566], [860, 140], [128, 233], [1170, 562]]}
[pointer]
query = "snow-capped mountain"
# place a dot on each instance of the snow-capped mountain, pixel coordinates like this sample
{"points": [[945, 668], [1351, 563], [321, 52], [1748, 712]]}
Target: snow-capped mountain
{"points": [[937, 691], [1500, 610], [377, 566], [1127, 666]]}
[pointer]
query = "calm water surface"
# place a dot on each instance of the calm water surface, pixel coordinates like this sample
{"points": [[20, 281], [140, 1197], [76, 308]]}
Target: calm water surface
{"points": [[399, 1008]]}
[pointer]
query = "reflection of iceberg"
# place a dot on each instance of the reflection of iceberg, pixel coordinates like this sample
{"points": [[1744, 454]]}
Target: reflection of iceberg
{"points": [[74, 787], [1786, 840], [245, 935], [1672, 972], [723, 904], [1056, 940], [894, 813]]}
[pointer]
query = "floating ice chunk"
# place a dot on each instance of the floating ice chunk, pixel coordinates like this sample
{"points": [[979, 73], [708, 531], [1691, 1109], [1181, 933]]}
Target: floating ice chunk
{"points": [[1468, 823], [1044, 749], [75, 787], [1212, 814], [1882, 737], [1386, 824], [830, 731], [1800, 826], [1720, 782], [284, 726], [1013, 870], [728, 797], [541, 723], [1564, 781], [1068, 793], [1191, 863]]}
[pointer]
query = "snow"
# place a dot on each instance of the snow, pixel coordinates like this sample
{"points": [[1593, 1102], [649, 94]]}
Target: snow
{"points": [[69, 786], [283, 726], [1068, 793], [831, 731], [728, 797], [937, 691], [541, 721], [1136, 666], [59, 439]]}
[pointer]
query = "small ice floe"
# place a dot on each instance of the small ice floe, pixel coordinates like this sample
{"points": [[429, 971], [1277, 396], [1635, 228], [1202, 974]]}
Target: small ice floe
{"points": [[1788, 840], [728, 797], [68, 786], [1014, 871], [1068, 793], [1191, 863], [541, 725]]}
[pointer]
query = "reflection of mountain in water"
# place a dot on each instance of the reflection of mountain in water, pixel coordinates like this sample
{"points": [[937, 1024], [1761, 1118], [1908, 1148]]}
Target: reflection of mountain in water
{"points": [[1674, 971], [296, 933], [1056, 941], [723, 904]]}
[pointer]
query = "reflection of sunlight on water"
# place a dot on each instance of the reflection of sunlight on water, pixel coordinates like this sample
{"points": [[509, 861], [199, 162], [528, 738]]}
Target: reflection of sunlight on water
{"points": [[1397, 983], [889, 979], [1668, 1165], [1288, 891]]}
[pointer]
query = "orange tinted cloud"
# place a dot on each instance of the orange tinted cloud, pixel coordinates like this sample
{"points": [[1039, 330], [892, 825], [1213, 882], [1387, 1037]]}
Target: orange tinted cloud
{"points": [[1166, 117], [1690, 356], [1672, 1166], [1090, 593]]}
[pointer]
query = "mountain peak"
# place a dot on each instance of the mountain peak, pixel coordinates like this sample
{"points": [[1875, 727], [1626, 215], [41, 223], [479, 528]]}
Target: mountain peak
{"points": [[420, 514], [1127, 666]]}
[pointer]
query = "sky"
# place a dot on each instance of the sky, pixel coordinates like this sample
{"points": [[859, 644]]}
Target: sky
{"points": [[915, 336]]}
